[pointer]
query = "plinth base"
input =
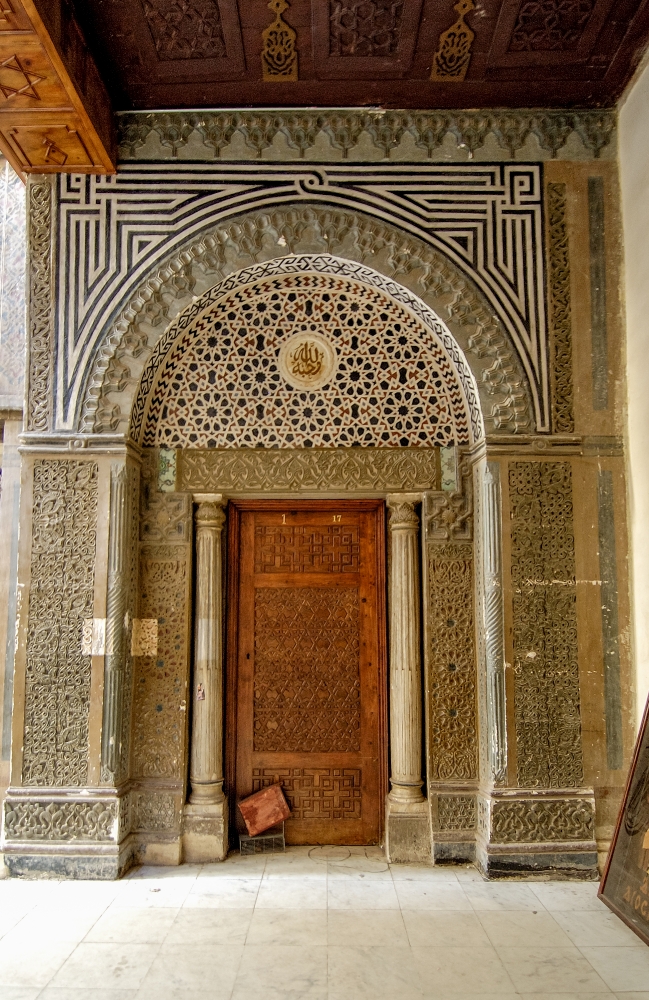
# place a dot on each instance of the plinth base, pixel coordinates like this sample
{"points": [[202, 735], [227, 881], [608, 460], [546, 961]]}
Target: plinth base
{"points": [[205, 832], [407, 833]]}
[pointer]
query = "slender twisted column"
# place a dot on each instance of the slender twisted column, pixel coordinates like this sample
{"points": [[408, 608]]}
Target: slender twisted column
{"points": [[115, 621], [493, 623], [206, 771], [405, 665]]}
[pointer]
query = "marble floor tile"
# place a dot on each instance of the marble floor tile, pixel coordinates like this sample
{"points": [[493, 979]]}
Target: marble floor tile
{"points": [[10, 915], [55, 924], [295, 928], [423, 873], [488, 896], [633, 996], [431, 896], [210, 969], [31, 963], [67, 993], [522, 928], [209, 926], [230, 893], [20, 993], [359, 928], [293, 893], [166, 992], [95, 965], [352, 894], [435, 928], [568, 895], [373, 973], [592, 928], [282, 972], [134, 925], [237, 867], [620, 968], [551, 970], [294, 866], [462, 969], [360, 869]]}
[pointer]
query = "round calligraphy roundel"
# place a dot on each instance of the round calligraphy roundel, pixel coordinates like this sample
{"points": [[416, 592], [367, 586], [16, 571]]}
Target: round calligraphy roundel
{"points": [[307, 360]]}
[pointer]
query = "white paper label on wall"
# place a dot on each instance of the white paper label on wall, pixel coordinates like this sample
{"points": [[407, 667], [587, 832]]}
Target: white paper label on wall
{"points": [[93, 637], [144, 637]]}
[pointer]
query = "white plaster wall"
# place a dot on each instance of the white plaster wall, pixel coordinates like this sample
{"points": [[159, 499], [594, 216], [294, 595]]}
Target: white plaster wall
{"points": [[634, 176]]}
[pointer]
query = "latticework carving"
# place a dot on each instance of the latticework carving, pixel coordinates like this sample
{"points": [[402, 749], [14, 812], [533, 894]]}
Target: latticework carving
{"points": [[286, 231], [160, 683], [521, 822], [451, 659], [305, 549], [185, 29], [40, 305], [91, 821], [550, 25], [362, 28], [154, 811], [321, 793], [548, 726], [61, 595], [456, 812], [164, 517], [220, 383], [384, 470], [307, 670], [563, 418]]}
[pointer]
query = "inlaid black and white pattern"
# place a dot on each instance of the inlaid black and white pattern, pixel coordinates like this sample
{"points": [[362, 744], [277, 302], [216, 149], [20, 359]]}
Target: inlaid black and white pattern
{"points": [[112, 231]]}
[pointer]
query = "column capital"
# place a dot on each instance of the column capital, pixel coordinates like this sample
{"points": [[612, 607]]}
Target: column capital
{"points": [[402, 510], [209, 510]]}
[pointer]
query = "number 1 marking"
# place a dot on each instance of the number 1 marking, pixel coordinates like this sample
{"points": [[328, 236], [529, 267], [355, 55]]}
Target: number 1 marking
{"points": [[283, 518]]}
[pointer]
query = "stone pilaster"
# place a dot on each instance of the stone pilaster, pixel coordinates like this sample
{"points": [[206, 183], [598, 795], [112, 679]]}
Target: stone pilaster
{"points": [[493, 624], [407, 825], [205, 831]]}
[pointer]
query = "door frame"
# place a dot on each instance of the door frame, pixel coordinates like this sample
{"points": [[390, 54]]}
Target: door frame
{"points": [[234, 511]]}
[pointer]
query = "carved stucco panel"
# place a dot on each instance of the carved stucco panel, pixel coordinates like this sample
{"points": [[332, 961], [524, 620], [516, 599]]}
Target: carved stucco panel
{"points": [[57, 685]]}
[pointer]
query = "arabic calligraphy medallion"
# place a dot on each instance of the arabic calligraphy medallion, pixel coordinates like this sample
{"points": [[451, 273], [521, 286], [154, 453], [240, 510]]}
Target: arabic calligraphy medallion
{"points": [[308, 361]]}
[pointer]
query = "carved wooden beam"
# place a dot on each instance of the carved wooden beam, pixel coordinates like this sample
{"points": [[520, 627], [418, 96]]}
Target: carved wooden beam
{"points": [[55, 113]]}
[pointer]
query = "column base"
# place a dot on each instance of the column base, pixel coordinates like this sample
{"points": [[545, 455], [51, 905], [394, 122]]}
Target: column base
{"points": [[407, 833], [205, 832]]}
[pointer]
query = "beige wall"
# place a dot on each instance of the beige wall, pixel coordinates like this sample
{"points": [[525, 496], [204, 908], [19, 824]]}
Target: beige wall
{"points": [[634, 176]]}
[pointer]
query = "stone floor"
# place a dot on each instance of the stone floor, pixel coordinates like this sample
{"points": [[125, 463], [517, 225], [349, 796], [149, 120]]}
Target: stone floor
{"points": [[319, 923]]}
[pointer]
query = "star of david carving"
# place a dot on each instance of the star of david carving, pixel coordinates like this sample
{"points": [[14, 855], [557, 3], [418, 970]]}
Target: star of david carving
{"points": [[13, 63]]}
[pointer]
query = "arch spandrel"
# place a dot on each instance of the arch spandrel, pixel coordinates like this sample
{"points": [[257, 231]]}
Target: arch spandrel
{"points": [[288, 234], [216, 379]]}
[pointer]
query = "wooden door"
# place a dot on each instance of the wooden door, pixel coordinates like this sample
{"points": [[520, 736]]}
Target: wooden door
{"points": [[306, 665]]}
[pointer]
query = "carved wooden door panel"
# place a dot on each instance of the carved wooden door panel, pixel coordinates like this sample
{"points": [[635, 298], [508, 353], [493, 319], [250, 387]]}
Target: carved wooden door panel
{"points": [[306, 665]]}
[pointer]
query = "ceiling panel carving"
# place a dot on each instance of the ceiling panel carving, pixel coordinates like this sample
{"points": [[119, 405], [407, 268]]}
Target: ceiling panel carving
{"points": [[390, 53]]}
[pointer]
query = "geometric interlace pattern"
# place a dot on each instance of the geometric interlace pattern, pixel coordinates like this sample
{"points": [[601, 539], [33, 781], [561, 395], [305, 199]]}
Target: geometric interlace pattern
{"points": [[220, 385], [306, 673]]}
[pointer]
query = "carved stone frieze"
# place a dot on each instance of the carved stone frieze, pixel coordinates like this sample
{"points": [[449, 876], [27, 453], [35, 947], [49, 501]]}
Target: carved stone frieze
{"points": [[546, 689], [274, 234], [542, 820], [61, 596], [380, 470], [40, 305], [456, 812], [451, 661], [563, 417], [59, 820], [552, 129]]}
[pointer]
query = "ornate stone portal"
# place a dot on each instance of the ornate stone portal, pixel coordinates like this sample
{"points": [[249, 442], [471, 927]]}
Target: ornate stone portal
{"points": [[497, 695]]}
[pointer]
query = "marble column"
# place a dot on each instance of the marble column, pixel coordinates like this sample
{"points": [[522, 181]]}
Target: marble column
{"points": [[205, 822], [407, 836], [116, 600]]}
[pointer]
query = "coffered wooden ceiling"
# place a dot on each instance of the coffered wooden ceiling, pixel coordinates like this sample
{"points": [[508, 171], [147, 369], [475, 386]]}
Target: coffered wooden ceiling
{"points": [[206, 53], [65, 65]]}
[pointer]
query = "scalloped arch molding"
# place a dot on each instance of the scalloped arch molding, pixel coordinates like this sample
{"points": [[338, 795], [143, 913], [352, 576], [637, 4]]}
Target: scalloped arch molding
{"points": [[421, 271], [482, 223]]}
